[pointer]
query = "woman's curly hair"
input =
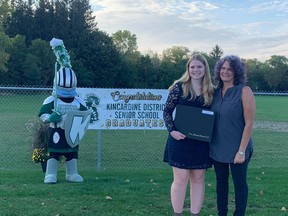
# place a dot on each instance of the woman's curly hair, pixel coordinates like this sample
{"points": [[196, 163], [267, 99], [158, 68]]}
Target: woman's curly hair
{"points": [[238, 67]]}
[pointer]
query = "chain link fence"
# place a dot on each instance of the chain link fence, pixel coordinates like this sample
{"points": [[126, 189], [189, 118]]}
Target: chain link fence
{"points": [[125, 149]]}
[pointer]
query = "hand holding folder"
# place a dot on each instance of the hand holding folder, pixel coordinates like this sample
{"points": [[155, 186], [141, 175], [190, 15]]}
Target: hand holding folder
{"points": [[196, 123]]}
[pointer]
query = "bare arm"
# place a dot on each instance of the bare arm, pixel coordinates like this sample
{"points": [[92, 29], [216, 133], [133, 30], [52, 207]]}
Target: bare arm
{"points": [[249, 106]]}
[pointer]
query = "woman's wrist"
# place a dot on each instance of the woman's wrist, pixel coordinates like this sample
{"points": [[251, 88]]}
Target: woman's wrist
{"points": [[241, 153]]}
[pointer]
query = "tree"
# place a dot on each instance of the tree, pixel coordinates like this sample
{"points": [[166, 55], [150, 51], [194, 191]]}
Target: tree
{"points": [[96, 60], [256, 71], [147, 72], [173, 65], [125, 42], [31, 70], [93, 55], [213, 57], [176, 54], [43, 21], [61, 23], [216, 52], [82, 22], [277, 77], [17, 51], [81, 16], [4, 55], [5, 11], [43, 58], [20, 22]]}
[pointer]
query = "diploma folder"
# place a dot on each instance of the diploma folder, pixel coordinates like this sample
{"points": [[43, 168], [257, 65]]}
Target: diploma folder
{"points": [[196, 123]]}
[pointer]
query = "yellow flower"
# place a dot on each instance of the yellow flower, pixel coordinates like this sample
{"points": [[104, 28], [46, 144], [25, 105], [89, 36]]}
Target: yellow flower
{"points": [[40, 155], [39, 135]]}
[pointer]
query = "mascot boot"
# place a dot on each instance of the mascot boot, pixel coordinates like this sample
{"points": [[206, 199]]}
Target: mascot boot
{"points": [[51, 171], [71, 171]]}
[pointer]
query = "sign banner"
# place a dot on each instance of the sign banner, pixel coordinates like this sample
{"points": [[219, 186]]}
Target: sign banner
{"points": [[125, 108]]}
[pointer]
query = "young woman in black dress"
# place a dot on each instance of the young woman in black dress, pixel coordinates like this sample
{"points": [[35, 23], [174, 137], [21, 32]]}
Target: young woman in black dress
{"points": [[189, 158]]}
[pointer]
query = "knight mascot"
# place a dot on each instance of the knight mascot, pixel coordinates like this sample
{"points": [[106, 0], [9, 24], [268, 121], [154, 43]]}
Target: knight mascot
{"points": [[67, 115]]}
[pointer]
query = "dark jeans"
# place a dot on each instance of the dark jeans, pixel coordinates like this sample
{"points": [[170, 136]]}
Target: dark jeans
{"points": [[239, 172]]}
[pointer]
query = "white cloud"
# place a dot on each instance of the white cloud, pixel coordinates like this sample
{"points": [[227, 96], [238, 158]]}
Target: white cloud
{"points": [[249, 29], [271, 6]]}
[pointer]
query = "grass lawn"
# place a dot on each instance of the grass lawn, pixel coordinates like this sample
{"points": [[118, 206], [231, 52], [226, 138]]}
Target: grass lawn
{"points": [[129, 192], [133, 179]]}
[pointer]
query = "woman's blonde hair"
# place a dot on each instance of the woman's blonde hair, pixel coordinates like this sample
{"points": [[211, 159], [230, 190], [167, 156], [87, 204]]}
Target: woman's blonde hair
{"points": [[207, 86]]}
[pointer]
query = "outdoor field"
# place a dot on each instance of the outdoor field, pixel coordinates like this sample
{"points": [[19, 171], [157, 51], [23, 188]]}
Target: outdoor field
{"points": [[126, 176]]}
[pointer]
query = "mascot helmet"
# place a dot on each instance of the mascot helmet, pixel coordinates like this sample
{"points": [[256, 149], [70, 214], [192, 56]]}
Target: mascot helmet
{"points": [[66, 78], [65, 81]]}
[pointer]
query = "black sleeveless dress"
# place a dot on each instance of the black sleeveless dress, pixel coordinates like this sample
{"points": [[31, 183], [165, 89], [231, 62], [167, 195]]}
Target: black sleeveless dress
{"points": [[187, 153]]}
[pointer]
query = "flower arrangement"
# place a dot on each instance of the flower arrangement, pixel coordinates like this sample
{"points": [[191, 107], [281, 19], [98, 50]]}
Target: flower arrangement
{"points": [[40, 155], [40, 138]]}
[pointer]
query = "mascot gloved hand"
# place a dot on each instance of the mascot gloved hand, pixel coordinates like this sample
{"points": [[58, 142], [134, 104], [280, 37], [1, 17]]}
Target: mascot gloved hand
{"points": [[55, 117], [59, 110]]}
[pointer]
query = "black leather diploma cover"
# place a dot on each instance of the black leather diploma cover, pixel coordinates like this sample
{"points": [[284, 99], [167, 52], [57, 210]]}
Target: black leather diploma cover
{"points": [[195, 123]]}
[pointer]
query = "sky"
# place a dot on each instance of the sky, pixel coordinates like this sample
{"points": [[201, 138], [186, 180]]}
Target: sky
{"points": [[251, 29]]}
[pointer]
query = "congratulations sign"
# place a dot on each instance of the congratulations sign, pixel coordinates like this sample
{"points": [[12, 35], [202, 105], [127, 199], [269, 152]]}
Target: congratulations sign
{"points": [[125, 108]]}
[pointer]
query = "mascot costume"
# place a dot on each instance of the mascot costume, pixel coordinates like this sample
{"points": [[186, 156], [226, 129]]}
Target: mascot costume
{"points": [[67, 115]]}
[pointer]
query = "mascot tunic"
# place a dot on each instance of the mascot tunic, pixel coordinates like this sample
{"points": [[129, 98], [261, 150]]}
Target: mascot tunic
{"points": [[54, 111]]}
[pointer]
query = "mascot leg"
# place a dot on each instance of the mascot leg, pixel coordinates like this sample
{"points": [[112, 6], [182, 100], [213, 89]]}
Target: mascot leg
{"points": [[51, 171], [71, 171]]}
